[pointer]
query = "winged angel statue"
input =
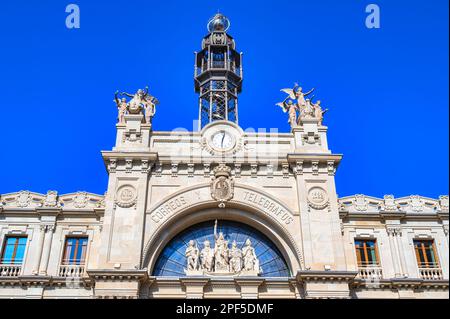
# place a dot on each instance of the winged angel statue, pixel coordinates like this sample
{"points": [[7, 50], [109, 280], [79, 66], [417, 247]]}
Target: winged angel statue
{"points": [[298, 105]]}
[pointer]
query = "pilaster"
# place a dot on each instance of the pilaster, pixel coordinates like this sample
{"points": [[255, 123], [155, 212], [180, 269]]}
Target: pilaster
{"points": [[326, 284], [249, 287], [194, 287], [117, 284]]}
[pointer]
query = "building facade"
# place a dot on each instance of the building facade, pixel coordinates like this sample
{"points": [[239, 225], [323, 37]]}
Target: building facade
{"points": [[222, 213]]}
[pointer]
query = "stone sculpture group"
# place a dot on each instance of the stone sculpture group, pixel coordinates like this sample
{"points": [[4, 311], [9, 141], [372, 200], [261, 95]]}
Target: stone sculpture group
{"points": [[299, 106], [221, 260], [140, 102]]}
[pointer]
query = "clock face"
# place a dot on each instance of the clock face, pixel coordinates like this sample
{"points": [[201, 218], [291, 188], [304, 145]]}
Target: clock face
{"points": [[223, 140]]}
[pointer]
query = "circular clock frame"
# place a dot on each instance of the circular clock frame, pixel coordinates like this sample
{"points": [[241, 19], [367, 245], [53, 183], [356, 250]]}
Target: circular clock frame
{"points": [[222, 141]]}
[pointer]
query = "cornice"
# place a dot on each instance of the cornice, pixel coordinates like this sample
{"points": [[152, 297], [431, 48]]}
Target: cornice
{"points": [[297, 157], [401, 283], [43, 281], [150, 156], [311, 275], [115, 275]]}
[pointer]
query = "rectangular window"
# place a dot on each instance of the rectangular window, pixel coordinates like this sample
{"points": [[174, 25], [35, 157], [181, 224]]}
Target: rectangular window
{"points": [[426, 254], [75, 251], [366, 252], [13, 250]]}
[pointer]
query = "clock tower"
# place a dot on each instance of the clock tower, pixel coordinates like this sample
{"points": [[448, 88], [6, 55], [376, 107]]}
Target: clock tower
{"points": [[218, 74]]}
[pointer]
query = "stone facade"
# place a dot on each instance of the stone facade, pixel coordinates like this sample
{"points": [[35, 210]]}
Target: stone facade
{"points": [[280, 184], [283, 187]]}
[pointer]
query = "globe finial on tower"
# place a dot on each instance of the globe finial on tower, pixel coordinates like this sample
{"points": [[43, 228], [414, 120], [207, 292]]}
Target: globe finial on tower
{"points": [[218, 23]]}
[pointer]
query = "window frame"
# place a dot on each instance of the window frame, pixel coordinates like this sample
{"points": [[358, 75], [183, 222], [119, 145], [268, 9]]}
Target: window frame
{"points": [[68, 262], [358, 255], [426, 264], [16, 245]]}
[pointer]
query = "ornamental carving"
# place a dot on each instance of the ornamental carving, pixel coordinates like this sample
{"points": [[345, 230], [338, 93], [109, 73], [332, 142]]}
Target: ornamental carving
{"points": [[360, 203], [443, 202], [222, 185], [389, 204], [415, 203], [80, 200], [126, 196], [311, 138], [318, 198], [51, 200], [221, 260], [102, 202], [218, 38], [23, 199]]}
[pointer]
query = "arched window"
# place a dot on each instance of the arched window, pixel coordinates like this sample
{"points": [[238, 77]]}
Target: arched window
{"points": [[172, 261]]}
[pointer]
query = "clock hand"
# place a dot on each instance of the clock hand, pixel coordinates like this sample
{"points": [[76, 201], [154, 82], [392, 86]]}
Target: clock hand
{"points": [[223, 137]]}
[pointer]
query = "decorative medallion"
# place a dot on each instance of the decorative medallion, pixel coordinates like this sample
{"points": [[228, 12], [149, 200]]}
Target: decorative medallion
{"points": [[318, 198], [222, 185], [126, 196]]}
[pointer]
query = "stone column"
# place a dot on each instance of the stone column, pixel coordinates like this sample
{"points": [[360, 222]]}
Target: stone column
{"points": [[395, 258], [39, 249], [46, 249]]}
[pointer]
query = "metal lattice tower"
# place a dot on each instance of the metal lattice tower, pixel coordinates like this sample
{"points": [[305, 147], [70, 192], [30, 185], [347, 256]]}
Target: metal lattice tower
{"points": [[218, 74]]}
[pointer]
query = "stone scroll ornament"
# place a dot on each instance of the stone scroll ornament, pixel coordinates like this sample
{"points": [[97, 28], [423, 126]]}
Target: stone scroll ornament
{"points": [[222, 185], [299, 106], [140, 102], [221, 260]]}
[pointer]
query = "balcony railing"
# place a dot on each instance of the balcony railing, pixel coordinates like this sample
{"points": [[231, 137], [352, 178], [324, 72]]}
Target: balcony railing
{"points": [[431, 273], [10, 270], [72, 271], [370, 272]]}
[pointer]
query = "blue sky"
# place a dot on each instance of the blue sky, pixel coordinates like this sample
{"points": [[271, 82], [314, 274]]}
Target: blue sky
{"points": [[387, 89]]}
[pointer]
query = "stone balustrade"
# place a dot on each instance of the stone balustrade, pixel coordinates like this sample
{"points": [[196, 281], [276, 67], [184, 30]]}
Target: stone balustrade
{"points": [[431, 273], [72, 271], [10, 270], [370, 273]]}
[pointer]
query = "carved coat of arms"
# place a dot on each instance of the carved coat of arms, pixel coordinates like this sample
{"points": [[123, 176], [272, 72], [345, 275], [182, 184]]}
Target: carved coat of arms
{"points": [[222, 185]]}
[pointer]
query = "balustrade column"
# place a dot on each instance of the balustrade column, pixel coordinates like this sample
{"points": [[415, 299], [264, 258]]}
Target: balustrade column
{"points": [[47, 248], [39, 249]]}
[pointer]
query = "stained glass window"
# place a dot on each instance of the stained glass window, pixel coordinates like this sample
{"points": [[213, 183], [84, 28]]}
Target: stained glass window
{"points": [[13, 250], [172, 261]]}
